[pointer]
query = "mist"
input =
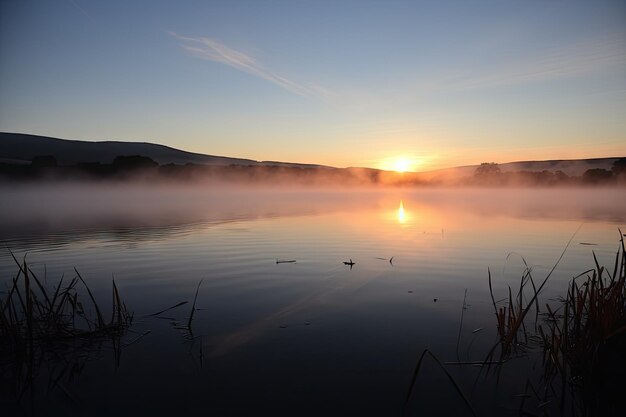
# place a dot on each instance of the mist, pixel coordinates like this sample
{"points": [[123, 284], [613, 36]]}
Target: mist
{"points": [[47, 208], [141, 169]]}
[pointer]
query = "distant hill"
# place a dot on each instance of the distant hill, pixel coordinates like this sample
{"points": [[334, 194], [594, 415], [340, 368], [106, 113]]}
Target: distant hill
{"points": [[21, 148], [18, 148], [571, 167]]}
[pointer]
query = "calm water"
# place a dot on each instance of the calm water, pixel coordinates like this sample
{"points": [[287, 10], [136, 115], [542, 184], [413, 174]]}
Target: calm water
{"points": [[314, 337]]}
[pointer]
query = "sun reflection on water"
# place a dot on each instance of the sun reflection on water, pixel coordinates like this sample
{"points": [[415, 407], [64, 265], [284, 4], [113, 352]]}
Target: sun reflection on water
{"points": [[402, 215]]}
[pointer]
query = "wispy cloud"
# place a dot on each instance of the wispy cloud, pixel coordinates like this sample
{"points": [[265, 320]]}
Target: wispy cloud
{"points": [[80, 9], [213, 50], [581, 59]]}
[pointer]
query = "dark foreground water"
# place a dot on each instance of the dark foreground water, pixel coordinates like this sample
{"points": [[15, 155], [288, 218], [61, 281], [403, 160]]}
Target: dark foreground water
{"points": [[311, 337]]}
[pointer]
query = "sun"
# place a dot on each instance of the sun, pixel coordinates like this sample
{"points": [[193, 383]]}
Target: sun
{"points": [[402, 165]]}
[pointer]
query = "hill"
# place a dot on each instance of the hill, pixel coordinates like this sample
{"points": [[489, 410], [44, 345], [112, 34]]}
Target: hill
{"points": [[18, 147], [571, 167]]}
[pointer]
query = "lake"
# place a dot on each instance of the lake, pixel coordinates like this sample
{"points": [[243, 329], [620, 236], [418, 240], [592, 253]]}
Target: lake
{"points": [[310, 337]]}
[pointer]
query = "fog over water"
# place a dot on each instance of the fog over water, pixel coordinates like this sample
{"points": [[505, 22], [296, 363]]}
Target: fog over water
{"points": [[29, 208]]}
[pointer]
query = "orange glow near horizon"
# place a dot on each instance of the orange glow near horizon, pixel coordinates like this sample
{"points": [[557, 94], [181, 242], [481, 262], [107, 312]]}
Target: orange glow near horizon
{"points": [[400, 164]]}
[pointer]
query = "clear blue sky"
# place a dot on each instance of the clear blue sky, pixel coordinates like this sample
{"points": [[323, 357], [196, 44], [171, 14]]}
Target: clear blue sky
{"points": [[344, 83]]}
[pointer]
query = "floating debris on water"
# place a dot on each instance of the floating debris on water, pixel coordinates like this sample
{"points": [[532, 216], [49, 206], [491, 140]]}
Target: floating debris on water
{"points": [[385, 259]]}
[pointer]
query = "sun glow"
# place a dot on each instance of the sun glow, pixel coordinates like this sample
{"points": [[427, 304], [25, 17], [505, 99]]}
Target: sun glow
{"points": [[400, 164]]}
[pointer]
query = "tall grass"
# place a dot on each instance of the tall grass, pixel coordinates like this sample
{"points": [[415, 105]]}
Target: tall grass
{"points": [[453, 381], [31, 314], [37, 322], [511, 319], [582, 337]]}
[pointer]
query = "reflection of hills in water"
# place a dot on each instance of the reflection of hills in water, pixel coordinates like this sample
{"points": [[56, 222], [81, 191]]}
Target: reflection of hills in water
{"points": [[115, 235], [47, 218], [55, 216]]}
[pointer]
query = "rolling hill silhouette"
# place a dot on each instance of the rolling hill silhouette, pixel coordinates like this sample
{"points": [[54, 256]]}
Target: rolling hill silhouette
{"points": [[22, 148], [19, 147]]}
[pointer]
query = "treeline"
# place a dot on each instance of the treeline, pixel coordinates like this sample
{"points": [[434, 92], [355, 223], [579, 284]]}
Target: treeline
{"points": [[489, 174], [141, 168]]}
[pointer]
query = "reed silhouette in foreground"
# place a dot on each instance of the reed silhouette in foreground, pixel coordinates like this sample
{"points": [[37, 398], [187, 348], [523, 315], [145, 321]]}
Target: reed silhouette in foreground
{"points": [[581, 338], [39, 325], [584, 339], [53, 333]]}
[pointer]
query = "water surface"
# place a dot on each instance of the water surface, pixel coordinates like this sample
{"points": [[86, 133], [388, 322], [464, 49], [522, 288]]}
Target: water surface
{"points": [[309, 337]]}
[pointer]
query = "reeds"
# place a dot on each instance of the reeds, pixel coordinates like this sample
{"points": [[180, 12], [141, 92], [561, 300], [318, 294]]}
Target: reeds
{"points": [[63, 324], [583, 336], [511, 318], [30, 314], [581, 342], [584, 339], [453, 381]]}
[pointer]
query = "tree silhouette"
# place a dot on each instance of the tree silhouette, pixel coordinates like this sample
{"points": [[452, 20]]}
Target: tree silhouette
{"points": [[487, 169], [597, 175], [44, 161], [488, 173], [619, 168], [126, 163]]}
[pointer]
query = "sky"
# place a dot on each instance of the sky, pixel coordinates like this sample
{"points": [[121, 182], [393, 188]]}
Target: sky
{"points": [[342, 83]]}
